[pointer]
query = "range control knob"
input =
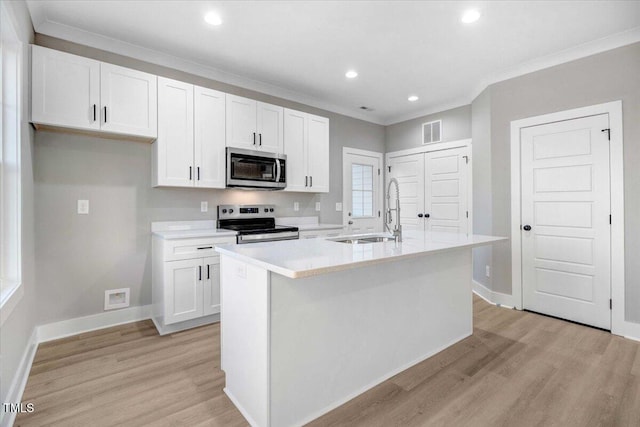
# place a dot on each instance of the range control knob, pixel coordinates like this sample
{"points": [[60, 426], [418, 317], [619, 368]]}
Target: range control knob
{"points": [[270, 209], [230, 211], [224, 211]]}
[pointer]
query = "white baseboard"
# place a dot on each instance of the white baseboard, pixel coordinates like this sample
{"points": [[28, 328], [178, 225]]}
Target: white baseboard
{"points": [[495, 298], [66, 328], [632, 331], [187, 324], [20, 379]]}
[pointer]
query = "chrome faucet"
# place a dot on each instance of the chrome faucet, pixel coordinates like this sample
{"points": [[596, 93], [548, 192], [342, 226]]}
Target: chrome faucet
{"points": [[397, 231]]}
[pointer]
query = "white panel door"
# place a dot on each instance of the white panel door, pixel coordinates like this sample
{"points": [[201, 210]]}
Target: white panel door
{"points": [[361, 193], [241, 122], [318, 154], [184, 296], [129, 101], [565, 216], [211, 285], [175, 134], [409, 171], [295, 147], [65, 89], [446, 201], [269, 126], [209, 138]]}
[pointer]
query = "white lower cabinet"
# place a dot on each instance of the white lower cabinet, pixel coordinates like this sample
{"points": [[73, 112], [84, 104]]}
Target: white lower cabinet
{"points": [[186, 283]]}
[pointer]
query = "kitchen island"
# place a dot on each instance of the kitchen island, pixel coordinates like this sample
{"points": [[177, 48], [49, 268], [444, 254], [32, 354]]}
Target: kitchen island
{"points": [[309, 324]]}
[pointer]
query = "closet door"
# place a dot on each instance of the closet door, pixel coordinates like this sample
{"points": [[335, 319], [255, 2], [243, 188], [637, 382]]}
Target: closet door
{"points": [[409, 171]]}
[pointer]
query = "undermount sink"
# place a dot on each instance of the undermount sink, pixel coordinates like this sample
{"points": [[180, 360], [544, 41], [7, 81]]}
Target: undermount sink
{"points": [[364, 239]]}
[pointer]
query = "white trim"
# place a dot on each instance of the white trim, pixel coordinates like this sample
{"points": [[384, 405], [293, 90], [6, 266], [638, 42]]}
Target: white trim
{"points": [[435, 146], [365, 153], [78, 325], [16, 390], [496, 298], [614, 109], [9, 302], [187, 324]]}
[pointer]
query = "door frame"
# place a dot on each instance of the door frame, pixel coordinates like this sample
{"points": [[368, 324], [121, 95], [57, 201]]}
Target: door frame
{"points": [[616, 163], [440, 146], [359, 152]]}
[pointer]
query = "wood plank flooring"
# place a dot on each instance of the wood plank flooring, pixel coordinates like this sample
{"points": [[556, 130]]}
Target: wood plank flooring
{"points": [[518, 369]]}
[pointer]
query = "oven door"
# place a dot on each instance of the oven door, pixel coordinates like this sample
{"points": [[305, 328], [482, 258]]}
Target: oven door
{"points": [[255, 169]]}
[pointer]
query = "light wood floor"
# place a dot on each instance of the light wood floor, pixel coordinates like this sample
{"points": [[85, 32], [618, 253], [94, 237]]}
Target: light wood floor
{"points": [[518, 369]]}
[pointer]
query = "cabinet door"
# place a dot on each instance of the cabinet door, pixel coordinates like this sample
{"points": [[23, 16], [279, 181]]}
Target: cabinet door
{"points": [[241, 122], [318, 154], [65, 89], [173, 150], [295, 147], [270, 127], [129, 101], [183, 290], [211, 274], [209, 138]]}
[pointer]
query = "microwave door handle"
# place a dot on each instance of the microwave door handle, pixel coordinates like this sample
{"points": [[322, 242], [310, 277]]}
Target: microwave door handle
{"points": [[277, 170]]}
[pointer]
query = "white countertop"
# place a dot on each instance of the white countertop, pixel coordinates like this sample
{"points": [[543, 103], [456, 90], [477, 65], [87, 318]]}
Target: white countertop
{"points": [[170, 230], [306, 223], [309, 257]]}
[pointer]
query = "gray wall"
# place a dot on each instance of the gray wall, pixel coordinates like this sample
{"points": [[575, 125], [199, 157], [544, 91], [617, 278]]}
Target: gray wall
{"points": [[608, 76], [80, 256], [482, 200], [456, 125], [18, 327]]}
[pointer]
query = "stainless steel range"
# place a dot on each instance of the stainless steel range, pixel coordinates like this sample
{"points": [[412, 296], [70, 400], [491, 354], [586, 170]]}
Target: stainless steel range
{"points": [[254, 223]]}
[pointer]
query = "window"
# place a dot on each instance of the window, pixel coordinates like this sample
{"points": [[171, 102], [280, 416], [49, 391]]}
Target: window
{"points": [[10, 201], [362, 190]]}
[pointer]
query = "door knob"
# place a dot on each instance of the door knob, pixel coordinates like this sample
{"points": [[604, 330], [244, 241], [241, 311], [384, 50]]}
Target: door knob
{"points": [[350, 223], [526, 227], [427, 215], [420, 215]]}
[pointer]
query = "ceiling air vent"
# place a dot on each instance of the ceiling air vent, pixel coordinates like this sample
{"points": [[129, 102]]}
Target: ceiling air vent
{"points": [[366, 108], [432, 132]]}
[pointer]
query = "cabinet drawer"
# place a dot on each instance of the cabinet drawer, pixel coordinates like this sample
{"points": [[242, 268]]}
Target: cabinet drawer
{"points": [[193, 248]]}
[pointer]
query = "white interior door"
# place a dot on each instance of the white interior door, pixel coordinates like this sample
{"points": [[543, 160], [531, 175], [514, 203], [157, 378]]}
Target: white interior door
{"points": [[565, 218], [409, 171], [446, 198], [361, 192]]}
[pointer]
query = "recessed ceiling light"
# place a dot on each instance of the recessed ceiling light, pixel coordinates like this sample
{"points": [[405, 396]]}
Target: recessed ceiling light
{"points": [[471, 15], [351, 74], [413, 98], [212, 18]]}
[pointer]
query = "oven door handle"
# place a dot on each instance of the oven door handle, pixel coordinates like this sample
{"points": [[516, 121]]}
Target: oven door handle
{"points": [[278, 170]]}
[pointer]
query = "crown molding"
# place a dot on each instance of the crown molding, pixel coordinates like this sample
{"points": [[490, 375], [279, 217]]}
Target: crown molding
{"points": [[97, 41]]}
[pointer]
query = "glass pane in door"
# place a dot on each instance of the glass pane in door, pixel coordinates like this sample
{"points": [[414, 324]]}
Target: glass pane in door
{"points": [[362, 190]]}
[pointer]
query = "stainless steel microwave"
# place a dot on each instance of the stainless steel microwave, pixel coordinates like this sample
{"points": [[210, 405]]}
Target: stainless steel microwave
{"points": [[256, 170]]}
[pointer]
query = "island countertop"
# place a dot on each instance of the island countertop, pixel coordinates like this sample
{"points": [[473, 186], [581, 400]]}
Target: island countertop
{"points": [[310, 257]]}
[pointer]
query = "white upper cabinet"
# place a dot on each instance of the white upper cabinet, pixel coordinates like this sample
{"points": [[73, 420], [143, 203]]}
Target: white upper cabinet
{"points": [[306, 144], [254, 125], [209, 138], [173, 151], [189, 151], [129, 101], [70, 91], [65, 90]]}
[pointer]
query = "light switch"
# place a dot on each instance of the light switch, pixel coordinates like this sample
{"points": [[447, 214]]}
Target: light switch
{"points": [[317, 206], [204, 206], [338, 207], [83, 207], [296, 206]]}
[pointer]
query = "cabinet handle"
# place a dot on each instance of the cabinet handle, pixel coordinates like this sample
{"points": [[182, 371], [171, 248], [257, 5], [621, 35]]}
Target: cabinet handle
{"points": [[306, 181], [310, 181], [198, 170], [254, 138], [105, 114], [205, 247], [260, 138], [200, 272], [94, 112], [190, 173], [208, 275]]}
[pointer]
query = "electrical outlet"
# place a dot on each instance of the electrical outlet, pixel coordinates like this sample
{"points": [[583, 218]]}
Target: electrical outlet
{"points": [[317, 206], [338, 207], [296, 206], [487, 271], [83, 207], [204, 206]]}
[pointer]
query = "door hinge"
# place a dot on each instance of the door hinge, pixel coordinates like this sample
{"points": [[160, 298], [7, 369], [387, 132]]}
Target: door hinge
{"points": [[467, 214], [608, 131], [389, 169], [378, 214], [378, 171], [466, 159], [609, 219], [610, 304]]}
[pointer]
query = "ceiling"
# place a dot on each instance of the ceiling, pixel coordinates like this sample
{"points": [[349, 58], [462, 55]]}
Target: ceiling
{"points": [[300, 50]]}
